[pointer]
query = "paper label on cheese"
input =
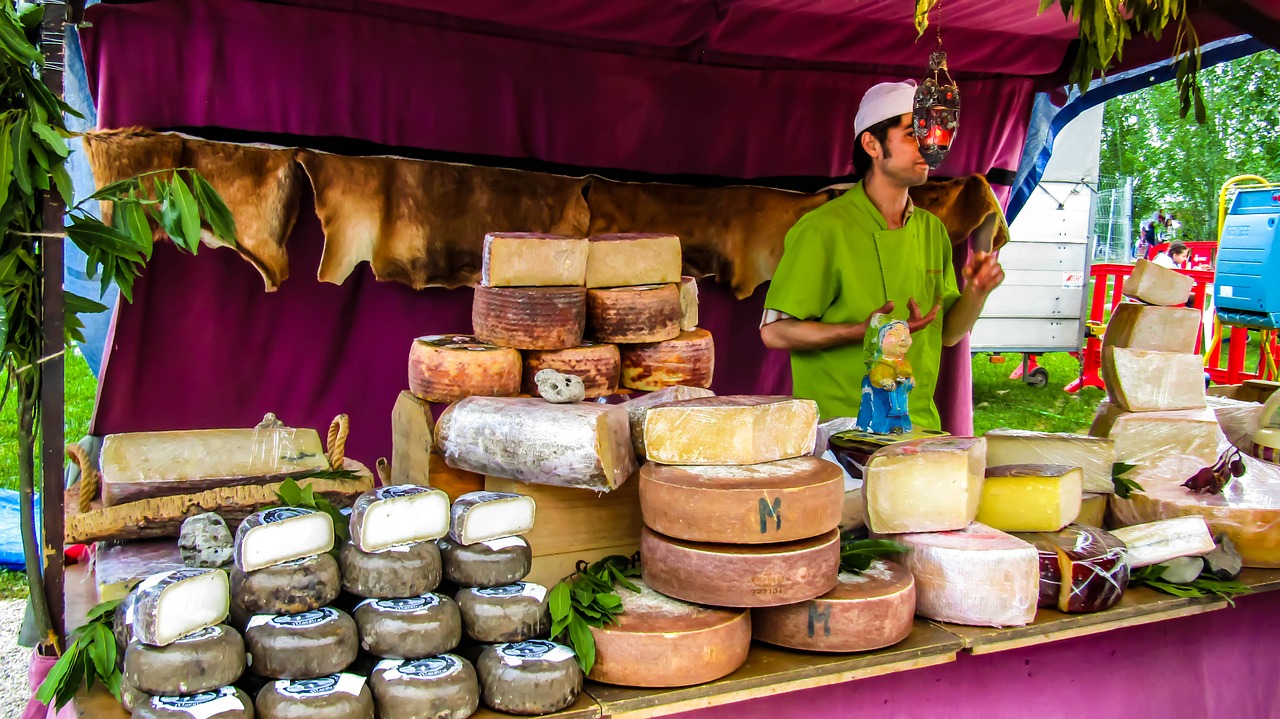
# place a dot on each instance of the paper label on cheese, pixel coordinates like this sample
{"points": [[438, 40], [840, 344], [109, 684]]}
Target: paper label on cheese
{"points": [[203, 705], [408, 604], [503, 543], [303, 619], [518, 653], [519, 589], [396, 491], [321, 686], [206, 633], [430, 668], [279, 514]]}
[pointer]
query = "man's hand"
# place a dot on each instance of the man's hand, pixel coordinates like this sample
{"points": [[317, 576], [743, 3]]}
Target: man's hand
{"points": [[982, 273], [917, 321]]}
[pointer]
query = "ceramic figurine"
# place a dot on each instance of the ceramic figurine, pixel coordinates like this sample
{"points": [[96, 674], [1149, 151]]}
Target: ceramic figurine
{"points": [[884, 408]]}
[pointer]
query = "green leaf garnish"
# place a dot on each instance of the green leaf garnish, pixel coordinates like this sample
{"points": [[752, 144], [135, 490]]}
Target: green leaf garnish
{"points": [[587, 599]]}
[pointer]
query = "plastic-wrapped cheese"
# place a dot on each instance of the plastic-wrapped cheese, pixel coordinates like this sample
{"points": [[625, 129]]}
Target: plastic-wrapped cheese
{"points": [[297, 586], [221, 703], [628, 259], [1093, 510], [924, 485], [749, 504], [443, 687], [1156, 285], [480, 516], [200, 662], [1160, 329], [1143, 381], [166, 607], [664, 642], [406, 571], [337, 696], [597, 365], [529, 318], [447, 368], [1094, 455], [1165, 539], [1148, 438], [739, 429], [512, 613], [1031, 497], [410, 628], [688, 360], [865, 611], [489, 563], [531, 677], [1082, 569], [281, 534], [638, 407], [301, 646], [627, 315], [525, 259], [399, 514], [583, 445], [978, 575]]}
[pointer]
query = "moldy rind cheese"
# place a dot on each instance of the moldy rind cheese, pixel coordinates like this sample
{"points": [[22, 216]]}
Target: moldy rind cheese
{"points": [[166, 607], [222, 703], [597, 365], [531, 677], [751, 504], [688, 360], [281, 534], [204, 661], [399, 572], [488, 563], [301, 646], [409, 628], [530, 318], [628, 259], [979, 576], [646, 313], [865, 611], [337, 696], [447, 368], [297, 586], [526, 259], [924, 485], [736, 429], [441, 687]]}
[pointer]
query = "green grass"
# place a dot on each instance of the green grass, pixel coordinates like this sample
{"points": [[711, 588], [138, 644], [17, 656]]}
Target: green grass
{"points": [[1001, 402]]}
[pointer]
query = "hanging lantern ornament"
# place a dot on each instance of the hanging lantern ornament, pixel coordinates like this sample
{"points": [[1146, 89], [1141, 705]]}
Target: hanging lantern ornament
{"points": [[936, 112]]}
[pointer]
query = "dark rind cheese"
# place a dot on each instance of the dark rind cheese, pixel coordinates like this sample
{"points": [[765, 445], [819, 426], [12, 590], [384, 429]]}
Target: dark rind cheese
{"points": [[512, 613], [491, 563], [396, 515], [530, 678], [158, 621], [301, 646], [530, 318], [281, 534], [409, 628], [201, 662], [395, 573], [628, 315], [221, 703], [289, 588], [337, 696], [443, 687], [1082, 568]]}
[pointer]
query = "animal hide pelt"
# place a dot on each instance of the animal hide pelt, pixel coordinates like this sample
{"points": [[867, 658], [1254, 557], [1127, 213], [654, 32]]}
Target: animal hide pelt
{"points": [[968, 208], [260, 185], [423, 223]]}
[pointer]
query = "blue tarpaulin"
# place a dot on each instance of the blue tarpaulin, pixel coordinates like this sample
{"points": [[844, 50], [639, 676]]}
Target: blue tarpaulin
{"points": [[10, 530]]}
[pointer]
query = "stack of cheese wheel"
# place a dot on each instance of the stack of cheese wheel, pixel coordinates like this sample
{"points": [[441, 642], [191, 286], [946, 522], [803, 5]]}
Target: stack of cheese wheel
{"points": [[504, 617], [180, 656]]}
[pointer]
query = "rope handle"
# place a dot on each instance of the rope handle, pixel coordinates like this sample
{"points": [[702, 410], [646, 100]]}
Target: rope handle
{"points": [[89, 476], [384, 471], [338, 441]]}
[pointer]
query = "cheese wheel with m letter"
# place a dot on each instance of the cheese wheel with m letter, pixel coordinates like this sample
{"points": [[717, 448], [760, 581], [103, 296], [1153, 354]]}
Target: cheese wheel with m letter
{"points": [[597, 365], [748, 504], [688, 360], [447, 368], [646, 313], [530, 318]]}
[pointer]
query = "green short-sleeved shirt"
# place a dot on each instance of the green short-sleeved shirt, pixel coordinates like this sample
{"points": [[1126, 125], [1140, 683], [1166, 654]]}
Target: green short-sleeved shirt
{"points": [[840, 264]]}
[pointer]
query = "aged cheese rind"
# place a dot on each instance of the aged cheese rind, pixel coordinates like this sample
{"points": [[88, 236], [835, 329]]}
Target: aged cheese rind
{"points": [[411, 444], [301, 646], [530, 318], [623, 260], [222, 703], [289, 588], [141, 465], [511, 613], [532, 677], [1095, 455], [409, 628], [978, 576], [200, 662], [647, 313], [1031, 497], [1093, 510], [493, 563], [664, 642], [585, 445], [166, 607], [282, 534], [447, 368], [1159, 329], [395, 573], [398, 514], [1143, 381], [1092, 562], [866, 611], [688, 360], [1165, 539], [759, 503], [1156, 285], [525, 259], [924, 485], [729, 575], [638, 407], [479, 516], [338, 696], [597, 365], [441, 687], [735, 429], [688, 304], [1148, 438]]}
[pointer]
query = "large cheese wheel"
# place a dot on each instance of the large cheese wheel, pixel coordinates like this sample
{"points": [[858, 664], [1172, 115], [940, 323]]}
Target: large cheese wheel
{"points": [[866, 611], [410, 628], [597, 365], [729, 575], [512, 613], [207, 660], [688, 360], [979, 576], [533, 677], [337, 696], [395, 573], [664, 642], [221, 703], [734, 429], [297, 586], [447, 368], [746, 504], [647, 313], [301, 646], [491, 563], [443, 687], [530, 318]]}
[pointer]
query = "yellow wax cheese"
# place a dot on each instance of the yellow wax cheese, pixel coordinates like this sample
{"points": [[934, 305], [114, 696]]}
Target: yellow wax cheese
{"points": [[1031, 497]]}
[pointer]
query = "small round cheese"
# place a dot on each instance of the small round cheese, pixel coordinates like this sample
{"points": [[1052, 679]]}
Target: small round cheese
{"points": [[337, 696], [441, 687], [199, 662], [301, 646], [409, 628], [447, 368], [289, 588], [491, 563], [221, 703], [511, 613], [396, 573], [531, 677], [687, 360]]}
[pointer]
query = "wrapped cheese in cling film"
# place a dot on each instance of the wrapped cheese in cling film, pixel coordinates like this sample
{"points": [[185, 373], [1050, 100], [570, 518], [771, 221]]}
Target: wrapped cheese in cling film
{"points": [[1082, 569], [1094, 455], [978, 576], [1148, 438]]}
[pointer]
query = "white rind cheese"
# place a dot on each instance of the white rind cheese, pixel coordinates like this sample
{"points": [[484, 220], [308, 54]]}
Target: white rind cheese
{"points": [[1156, 542], [283, 534], [399, 514], [978, 576]]}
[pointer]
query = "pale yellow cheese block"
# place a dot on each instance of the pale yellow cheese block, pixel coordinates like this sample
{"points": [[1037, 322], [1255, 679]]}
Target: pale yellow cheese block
{"points": [[1148, 327], [732, 429], [1146, 438], [521, 259], [1031, 497], [1156, 285], [1145, 381], [625, 260], [1094, 455], [1093, 510], [411, 443], [924, 485]]}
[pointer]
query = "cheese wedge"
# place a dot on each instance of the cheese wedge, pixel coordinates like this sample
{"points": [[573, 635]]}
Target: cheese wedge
{"points": [[1143, 381], [1156, 285], [1031, 497], [924, 485], [741, 429]]}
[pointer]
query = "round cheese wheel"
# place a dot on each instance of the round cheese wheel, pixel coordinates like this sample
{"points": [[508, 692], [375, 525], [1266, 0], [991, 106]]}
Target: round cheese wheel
{"points": [[688, 360], [646, 313], [409, 628], [866, 611], [492, 563], [447, 368], [199, 662], [664, 642], [510, 613], [443, 687], [740, 575], [747, 504], [221, 703], [130, 697], [407, 571], [597, 365], [530, 318], [531, 677], [301, 646], [337, 696], [289, 588]]}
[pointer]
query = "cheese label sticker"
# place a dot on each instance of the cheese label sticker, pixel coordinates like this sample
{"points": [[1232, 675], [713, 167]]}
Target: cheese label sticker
{"points": [[302, 619], [408, 604], [510, 590], [167, 578], [478, 497], [396, 491], [206, 633], [321, 686], [517, 653], [429, 668], [497, 545], [537, 591], [203, 705], [279, 514]]}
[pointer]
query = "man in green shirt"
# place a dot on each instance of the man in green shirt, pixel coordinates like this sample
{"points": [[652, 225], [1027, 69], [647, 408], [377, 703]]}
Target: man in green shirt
{"points": [[869, 251]]}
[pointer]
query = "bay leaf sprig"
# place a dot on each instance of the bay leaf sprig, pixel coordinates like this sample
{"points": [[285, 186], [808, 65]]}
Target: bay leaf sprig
{"points": [[587, 599], [856, 555], [1124, 486], [292, 494], [89, 658], [1202, 586]]}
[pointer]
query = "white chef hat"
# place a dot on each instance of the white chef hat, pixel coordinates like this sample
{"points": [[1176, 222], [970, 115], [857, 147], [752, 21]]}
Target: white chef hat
{"points": [[883, 101]]}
